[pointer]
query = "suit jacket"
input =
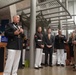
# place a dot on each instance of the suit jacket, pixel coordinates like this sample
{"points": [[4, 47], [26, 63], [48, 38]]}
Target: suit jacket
{"points": [[49, 41], [59, 42], [14, 41]]}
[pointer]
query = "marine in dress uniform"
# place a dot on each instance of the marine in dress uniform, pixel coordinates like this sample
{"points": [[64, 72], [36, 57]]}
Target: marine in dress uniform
{"points": [[59, 46], [14, 45], [39, 48], [24, 51]]}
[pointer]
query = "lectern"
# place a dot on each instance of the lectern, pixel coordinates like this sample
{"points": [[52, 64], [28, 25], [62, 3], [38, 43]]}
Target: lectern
{"points": [[2, 55]]}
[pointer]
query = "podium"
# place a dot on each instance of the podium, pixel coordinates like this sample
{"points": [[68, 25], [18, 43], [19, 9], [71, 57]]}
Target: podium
{"points": [[2, 55]]}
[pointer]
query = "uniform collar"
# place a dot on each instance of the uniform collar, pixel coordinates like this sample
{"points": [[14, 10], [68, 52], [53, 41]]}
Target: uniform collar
{"points": [[14, 23]]}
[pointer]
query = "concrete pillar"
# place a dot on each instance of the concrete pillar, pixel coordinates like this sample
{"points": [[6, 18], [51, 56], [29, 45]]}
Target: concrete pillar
{"points": [[13, 11], [32, 31], [74, 9], [66, 2], [60, 9], [38, 7], [48, 11]]}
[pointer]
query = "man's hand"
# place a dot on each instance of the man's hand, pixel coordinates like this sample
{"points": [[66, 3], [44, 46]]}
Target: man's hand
{"points": [[17, 32], [49, 46], [42, 46], [23, 44], [21, 30], [74, 42]]}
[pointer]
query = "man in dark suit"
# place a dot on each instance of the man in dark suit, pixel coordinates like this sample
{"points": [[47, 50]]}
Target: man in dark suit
{"points": [[59, 46], [14, 33], [49, 41], [39, 47]]}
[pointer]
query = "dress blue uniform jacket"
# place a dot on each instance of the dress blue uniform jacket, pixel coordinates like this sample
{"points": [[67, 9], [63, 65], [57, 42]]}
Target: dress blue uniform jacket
{"points": [[59, 42], [14, 41], [39, 40]]}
